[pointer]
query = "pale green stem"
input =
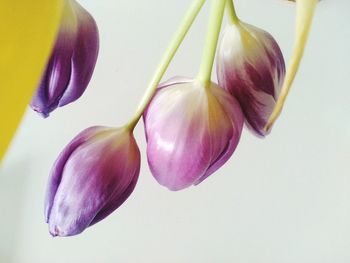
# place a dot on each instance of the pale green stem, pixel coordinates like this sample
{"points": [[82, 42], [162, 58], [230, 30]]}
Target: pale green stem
{"points": [[166, 59], [231, 12], [304, 17], [215, 20]]}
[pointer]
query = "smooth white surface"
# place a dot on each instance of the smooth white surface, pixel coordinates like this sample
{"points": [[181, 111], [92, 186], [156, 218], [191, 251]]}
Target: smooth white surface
{"points": [[282, 199]]}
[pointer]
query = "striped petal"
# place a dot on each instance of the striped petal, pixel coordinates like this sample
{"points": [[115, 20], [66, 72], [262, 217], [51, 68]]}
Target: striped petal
{"points": [[251, 67]]}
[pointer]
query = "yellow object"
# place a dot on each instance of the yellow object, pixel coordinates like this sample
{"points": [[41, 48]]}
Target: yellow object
{"points": [[27, 33]]}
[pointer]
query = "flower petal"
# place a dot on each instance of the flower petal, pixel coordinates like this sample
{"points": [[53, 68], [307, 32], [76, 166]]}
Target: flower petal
{"points": [[190, 132], [251, 67], [57, 169], [175, 157], [84, 57], [96, 178], [57, 74], [234, 115]]}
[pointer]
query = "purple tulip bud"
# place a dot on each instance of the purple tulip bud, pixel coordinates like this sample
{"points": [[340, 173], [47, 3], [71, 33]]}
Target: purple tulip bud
{"points": [[191, 132], [251, 67], [91, 178], [72, 61]]}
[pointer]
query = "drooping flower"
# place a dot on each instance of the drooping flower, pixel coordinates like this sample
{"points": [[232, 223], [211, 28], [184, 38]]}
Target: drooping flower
{"points": [[251, 67], [191, 131], [91, 178], [72, 61]]}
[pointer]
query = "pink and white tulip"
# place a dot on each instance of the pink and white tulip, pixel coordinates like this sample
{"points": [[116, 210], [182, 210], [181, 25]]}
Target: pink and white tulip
{"points": [[191, 131], [93, 176], [251, 67]]}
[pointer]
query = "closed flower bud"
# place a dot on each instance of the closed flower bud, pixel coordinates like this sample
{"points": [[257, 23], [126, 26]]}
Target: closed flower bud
{"points": [[91, 178], [251, 67], [191, 131], [72, 61]]}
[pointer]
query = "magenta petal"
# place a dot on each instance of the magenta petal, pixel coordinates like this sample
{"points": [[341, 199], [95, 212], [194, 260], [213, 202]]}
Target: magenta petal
{"points": [[57, 73], [191, 132], [57, 169], [84, 57], [177, 161], [116, 200], [251, 67], [173, 81], [232, 108], [72, 61], [92, 177], [169, 82]]}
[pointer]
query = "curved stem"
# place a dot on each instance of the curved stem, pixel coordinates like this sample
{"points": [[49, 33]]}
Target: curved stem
{"points": [[231, 12], [305, 13], [215, 20], [166, 59]]}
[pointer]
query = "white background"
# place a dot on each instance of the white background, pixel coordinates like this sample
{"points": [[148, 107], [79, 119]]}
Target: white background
{"points": [[282, 199]]}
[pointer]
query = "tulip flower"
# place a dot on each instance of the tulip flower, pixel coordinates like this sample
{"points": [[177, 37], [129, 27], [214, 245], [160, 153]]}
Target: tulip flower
{"points": [[251, 67], [191, 131], [72, 61], [91, 178]]}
